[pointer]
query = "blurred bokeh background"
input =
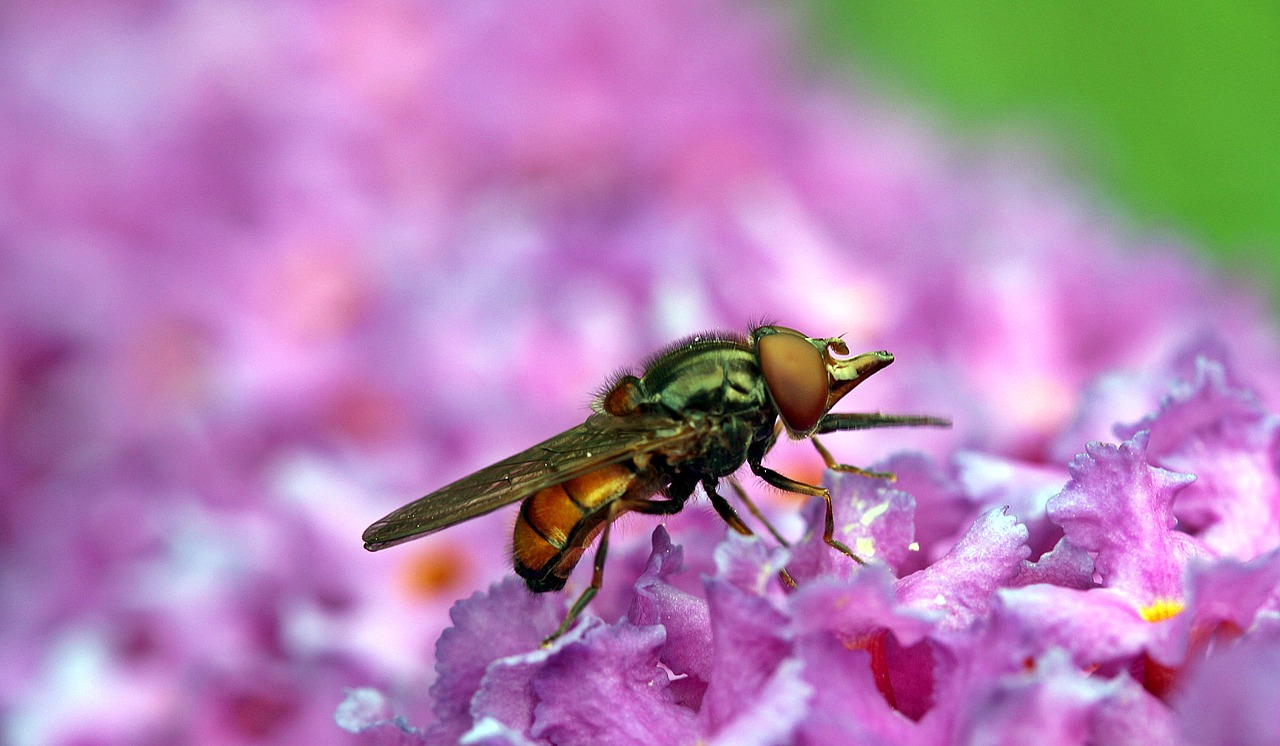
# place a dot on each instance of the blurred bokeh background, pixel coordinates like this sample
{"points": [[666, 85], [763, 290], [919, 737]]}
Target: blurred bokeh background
{"points": [[268, 271], [1170, 110]]}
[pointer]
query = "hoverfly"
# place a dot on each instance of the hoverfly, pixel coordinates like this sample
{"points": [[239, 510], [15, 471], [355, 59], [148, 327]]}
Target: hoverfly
{"points": [[700, 409]]}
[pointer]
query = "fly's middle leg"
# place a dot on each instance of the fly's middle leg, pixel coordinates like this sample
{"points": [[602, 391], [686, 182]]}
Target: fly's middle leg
{"points": [[597, 580], [751, 507], [731, 517]]}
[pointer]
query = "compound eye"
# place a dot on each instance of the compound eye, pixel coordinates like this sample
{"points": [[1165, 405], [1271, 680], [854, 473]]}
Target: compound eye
{"points": [[796, 377]]}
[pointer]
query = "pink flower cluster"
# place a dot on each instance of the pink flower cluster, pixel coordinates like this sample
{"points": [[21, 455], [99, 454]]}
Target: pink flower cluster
{"points": [[1114, 601], [267, 272]]}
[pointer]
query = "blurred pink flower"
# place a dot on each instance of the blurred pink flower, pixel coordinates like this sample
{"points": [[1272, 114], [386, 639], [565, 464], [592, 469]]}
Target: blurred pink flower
{"points": [[267, 272]]}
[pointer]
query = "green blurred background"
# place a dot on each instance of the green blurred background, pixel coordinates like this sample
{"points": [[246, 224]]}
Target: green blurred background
{"points": [[1172, 109]]}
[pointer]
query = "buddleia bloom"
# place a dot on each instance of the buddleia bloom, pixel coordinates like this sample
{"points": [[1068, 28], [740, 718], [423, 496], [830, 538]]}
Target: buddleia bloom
{"points": [[269, 272]]}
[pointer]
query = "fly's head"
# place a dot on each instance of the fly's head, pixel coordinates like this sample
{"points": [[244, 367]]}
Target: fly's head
{"points": [[806, 376]]}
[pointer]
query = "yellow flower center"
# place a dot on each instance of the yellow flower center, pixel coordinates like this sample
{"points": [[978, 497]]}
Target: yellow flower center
{"points": [[1161, 609]]}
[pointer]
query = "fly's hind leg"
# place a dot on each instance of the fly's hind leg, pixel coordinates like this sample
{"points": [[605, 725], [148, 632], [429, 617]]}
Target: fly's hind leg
{"points": [[652, 507], [597, 579]]}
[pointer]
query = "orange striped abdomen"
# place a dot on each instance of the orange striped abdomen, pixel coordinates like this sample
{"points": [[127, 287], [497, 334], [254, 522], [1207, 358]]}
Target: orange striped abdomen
{"points": [[558, 523]]}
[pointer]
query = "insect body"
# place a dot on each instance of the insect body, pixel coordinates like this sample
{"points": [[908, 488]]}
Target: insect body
{"points": [[699, 411]]}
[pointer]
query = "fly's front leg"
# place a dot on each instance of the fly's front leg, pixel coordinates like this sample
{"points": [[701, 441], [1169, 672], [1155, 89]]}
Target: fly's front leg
{"points": [[783, 482], [834, 465], [831, 423]]}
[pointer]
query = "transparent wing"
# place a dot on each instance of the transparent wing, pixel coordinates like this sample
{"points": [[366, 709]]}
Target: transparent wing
{"points": [[601, 440]]}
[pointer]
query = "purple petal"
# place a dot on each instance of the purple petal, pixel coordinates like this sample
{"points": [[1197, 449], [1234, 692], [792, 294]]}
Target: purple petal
{"points": [[942, 508], [1023, 489], [1220, 433], [1050, 705], [685, 617], [507, 620], [857, 614], [1119, 507], [1054, 702], [1233, 592], [1233, 697], [366, 711], [855, 608], [961, 584], [505, 697], [608, 688], [1066, 565], [1095, 626], [746, 563], [845, 706], [750, 639], [873, 520], [1130, 716], [781, 704], [1225, 598]]}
